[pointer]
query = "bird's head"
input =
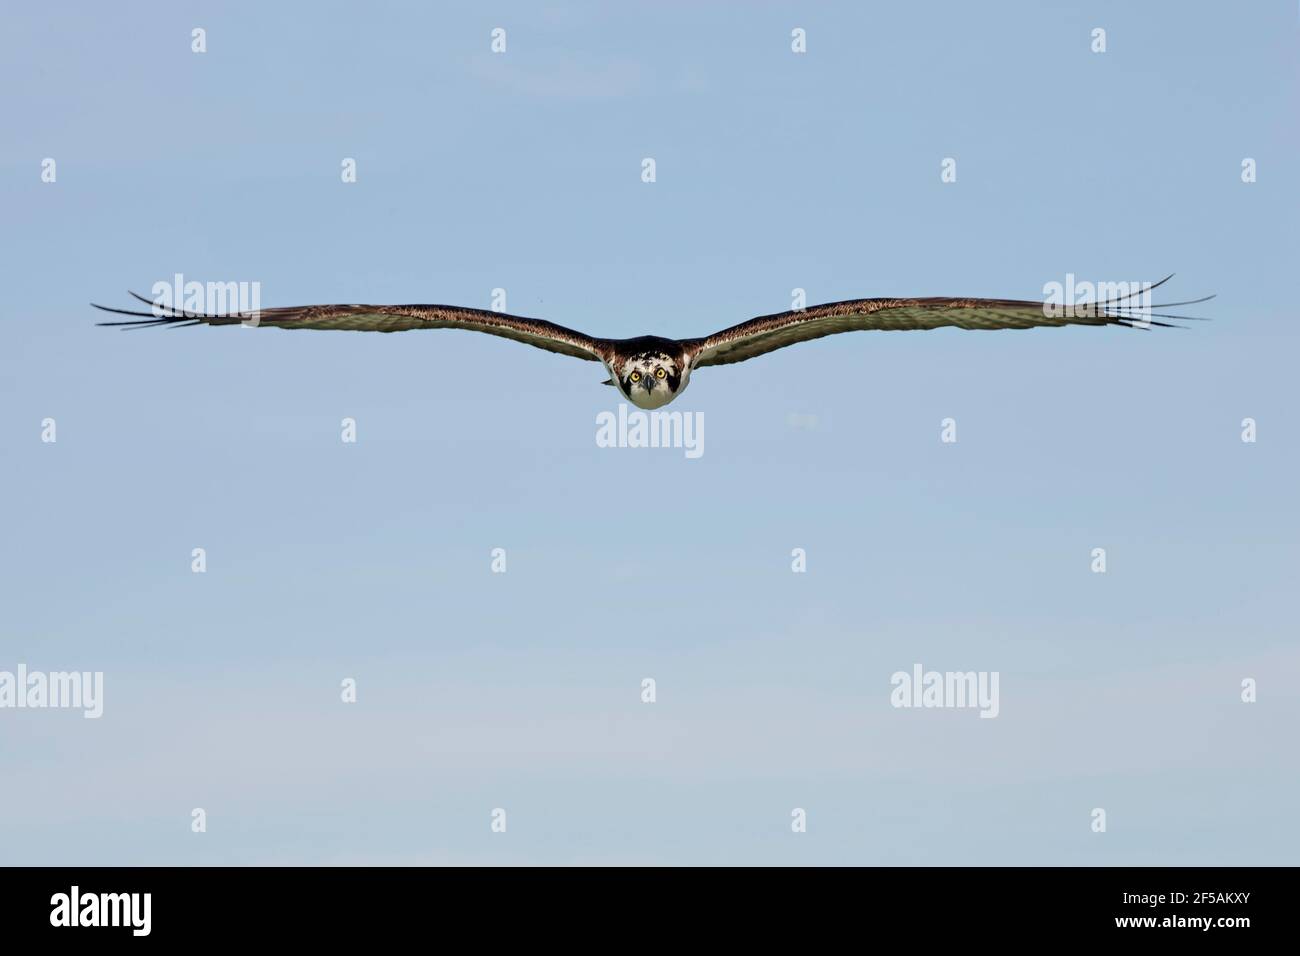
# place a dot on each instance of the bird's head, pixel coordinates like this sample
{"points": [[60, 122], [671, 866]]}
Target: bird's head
{"points": [[650, 379]]}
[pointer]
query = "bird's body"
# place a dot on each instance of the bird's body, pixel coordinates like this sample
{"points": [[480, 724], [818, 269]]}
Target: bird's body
{"points": [[650, 370]]}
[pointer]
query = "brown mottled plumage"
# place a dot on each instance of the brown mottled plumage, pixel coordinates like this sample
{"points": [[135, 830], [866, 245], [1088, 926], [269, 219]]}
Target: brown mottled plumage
{"points": [[650, 370]]}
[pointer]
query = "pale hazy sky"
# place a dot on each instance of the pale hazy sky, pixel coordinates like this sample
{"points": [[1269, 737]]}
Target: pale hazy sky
{"points": [[521, 690]]}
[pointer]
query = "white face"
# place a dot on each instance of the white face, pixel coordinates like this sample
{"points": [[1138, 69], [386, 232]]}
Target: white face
{"points": [[651, 381]]}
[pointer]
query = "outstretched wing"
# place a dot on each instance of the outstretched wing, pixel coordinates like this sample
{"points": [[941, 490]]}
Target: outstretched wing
{"points": [[381, 318], [770, 332]]}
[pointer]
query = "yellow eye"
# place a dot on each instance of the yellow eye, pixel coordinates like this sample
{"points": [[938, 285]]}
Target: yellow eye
{"points": [[660, 373], [635, 376]]}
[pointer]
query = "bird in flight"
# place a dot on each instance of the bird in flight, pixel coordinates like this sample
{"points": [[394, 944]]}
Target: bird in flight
{"points": [[651, 370]]}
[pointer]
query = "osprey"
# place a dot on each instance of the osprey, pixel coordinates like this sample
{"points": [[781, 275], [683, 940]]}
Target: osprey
{"points": [[651, 370]]}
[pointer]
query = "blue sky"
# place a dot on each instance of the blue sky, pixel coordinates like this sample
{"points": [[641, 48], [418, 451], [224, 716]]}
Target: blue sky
{"points": [[522, 690]]}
